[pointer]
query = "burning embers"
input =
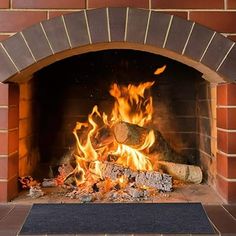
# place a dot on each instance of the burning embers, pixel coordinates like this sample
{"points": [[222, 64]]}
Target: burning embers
{"points": [[119, 156]]}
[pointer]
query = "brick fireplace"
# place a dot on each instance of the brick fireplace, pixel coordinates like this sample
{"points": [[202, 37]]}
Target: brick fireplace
{"points": [[159, 29]]}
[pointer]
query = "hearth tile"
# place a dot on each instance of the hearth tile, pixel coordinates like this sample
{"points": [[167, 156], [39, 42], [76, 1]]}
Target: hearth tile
{"points": [[198, 41], [77, 28], [158, 26], [223, 221], [56, 34], [97, 20], [7, 69], [201, 193], [117, 20], [15, 219], [18, 51], [216, 51], [4, 210], [181, 28], [33, 36], [137, 24], [231, 209], [227, 69]]}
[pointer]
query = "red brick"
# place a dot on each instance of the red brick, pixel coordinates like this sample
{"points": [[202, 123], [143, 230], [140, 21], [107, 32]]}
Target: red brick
{"points": [[57, 13], [186, 4], [222, 94], [121, 3], [219, 21], [226, 118], [4, 94], [226, 94], [4, 4], [13, 165], [13, 117], [3, 167], [226, 142], [13, 141], [4, 118], [226, 165], [231, 4], [14, 94], [3, 191], [12, 188], [3, 37], [43, 4], [226, 189], [13, 21], [4, 143]]}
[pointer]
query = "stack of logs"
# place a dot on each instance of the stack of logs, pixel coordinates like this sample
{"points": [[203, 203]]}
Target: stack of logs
{"points": [[170, 164]]}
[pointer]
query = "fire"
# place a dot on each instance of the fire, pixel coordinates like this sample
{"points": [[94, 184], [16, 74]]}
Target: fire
{"points": [[133, 104]]}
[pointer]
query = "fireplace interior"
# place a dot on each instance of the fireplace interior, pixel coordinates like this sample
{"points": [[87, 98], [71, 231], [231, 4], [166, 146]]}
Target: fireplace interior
{"points": [[59, 95]]}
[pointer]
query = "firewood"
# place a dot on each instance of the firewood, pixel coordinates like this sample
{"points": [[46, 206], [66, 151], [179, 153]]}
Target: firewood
{"points": [[134, 136], [151, 179], [187, 173]]}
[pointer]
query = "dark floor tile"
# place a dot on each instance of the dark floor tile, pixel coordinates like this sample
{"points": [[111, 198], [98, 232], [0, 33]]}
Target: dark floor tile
{"points": [[231, 209], [223, 221], [4, 210]]}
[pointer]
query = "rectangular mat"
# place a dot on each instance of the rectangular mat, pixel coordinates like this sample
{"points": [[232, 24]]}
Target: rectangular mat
{"points": [[114, 218]]}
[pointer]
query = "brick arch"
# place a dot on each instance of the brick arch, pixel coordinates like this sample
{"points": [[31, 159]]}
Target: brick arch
{"points": [[104, 28]]}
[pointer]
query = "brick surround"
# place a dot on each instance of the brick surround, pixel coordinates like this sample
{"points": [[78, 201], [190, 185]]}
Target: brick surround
{"points": [[148, 30]]}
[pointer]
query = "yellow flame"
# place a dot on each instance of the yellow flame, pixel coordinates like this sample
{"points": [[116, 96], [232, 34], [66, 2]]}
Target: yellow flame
{"points": [[131, 105]]}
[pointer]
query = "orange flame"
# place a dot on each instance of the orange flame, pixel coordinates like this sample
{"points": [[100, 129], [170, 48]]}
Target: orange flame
{"points": [[133, 104]]}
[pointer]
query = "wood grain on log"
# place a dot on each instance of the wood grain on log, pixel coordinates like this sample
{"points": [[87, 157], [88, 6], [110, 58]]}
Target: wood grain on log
{"points": [[186, 173], [152, 179]]}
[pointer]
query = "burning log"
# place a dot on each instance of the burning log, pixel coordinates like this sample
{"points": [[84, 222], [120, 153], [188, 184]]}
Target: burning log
{"points": [[187, 173], [151, 179], [135, 136]]}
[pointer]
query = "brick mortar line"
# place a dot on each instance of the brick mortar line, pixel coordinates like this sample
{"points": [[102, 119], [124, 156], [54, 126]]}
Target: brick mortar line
{"points": [[9, 57], [27, 45], [228, 212], [108, 25], [223, 60], [8, 155], [7, 180], [211, 137], [167, 31], [207, 154], [189, 35], [67, 34], [87, 26], [226, 130], [147, 27], [226, 154], [230, 180], [126, 23], [228, 107], [45, 34], [203, 54]]}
